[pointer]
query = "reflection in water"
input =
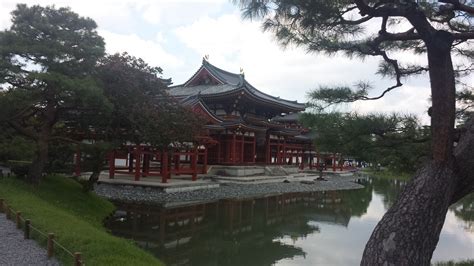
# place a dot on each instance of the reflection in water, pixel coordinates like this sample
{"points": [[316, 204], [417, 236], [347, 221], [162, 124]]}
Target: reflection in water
{"points": [[290, 229], [464, 210]]}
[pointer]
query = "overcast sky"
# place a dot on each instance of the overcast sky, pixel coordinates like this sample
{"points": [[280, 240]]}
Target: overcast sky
{"points": [[175, 35]]}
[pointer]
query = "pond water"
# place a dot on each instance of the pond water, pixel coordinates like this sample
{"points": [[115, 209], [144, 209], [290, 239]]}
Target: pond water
{"points": [[293, 229]]}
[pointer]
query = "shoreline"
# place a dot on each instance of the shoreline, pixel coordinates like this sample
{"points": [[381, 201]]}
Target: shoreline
{"points": [[131, 194]]}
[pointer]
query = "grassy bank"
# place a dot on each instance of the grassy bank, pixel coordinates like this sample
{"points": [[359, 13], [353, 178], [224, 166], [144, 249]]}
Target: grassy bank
{"points": [[58, 205], [387, 174], [455, 263]]}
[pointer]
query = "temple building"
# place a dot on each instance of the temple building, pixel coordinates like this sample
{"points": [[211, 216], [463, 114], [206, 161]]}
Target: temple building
{"points": [[243, 127], [247, 125]]}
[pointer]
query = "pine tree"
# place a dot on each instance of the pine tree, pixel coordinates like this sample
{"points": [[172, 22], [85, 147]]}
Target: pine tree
{"points": [[47, 60], [409, 231]]}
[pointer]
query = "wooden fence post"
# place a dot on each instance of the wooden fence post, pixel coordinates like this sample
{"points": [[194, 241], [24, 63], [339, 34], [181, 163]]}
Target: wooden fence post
{"points": [[27, 228], [18, 220], [77, 259], [194, 158], [50, 245], [7, 211]]}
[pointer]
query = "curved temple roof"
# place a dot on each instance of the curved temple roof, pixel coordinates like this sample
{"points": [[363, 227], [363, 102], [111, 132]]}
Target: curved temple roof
{"points": [[227, 83]]}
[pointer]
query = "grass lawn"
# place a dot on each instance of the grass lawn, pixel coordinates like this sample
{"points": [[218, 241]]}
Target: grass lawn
{"points": [[387, 174], [58, 205], [455, 263]]}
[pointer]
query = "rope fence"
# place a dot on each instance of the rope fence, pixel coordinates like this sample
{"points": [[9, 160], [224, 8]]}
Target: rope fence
{"points": [[48, 239]]}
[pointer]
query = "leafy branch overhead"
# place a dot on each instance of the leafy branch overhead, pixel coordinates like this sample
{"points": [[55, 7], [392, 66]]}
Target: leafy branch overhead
{"points": [[369, 28]]}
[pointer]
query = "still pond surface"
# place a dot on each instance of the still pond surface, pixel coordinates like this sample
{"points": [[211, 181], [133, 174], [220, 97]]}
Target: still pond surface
{"points": [[293, 229]]}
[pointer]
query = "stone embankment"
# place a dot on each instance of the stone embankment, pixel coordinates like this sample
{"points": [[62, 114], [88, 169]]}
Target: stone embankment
{"points": [[224, 191]]}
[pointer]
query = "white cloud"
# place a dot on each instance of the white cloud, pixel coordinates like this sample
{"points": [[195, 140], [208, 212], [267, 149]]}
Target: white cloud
{"points": [[5, 17], [290, 73], [175, 34], [151, 51], [169, 13], [405, 100], [233, 43]]}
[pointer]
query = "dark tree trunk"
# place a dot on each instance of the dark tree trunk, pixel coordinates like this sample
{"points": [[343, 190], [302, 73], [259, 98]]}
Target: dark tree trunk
{"points": [[443, 95], [408, 233], [42, 144], [41, 157], [89, 184]]}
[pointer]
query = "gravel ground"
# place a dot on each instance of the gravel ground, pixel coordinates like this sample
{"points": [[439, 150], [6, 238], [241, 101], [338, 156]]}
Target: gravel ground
{"points": [[16, 251], [225, 191]]}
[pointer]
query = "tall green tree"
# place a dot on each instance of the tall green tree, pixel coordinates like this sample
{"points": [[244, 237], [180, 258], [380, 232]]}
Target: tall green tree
{"points": [[47, 62], [409, 231]]}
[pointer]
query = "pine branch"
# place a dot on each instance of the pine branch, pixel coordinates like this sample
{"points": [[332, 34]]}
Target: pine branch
{"points": [[64, 139], [463, 35], [456, 5], [24, 131]]}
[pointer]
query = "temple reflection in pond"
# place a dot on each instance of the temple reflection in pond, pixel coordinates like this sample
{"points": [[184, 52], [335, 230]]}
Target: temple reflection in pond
{"points": [[235, 232]]}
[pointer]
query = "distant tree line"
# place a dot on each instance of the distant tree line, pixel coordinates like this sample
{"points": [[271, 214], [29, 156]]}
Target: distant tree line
{"points": [[395, 141]]}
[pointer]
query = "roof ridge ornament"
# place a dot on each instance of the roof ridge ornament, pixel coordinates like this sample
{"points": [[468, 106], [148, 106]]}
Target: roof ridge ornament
{"points": [[205, 58], [242, 72]]}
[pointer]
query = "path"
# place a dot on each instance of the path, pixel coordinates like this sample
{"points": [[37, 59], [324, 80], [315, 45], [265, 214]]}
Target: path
{"points": [[15, 250]]}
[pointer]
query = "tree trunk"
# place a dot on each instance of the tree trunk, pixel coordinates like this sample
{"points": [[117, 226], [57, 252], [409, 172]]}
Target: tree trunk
{"points": [[89, 184], [39, 162], [409, 232], [443, 95], [42, 144]]}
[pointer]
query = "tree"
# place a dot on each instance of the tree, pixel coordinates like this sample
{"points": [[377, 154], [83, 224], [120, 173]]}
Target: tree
{"points": [[409, 231], [136, 110], [395, 141], [47, 62], [143, 112]]}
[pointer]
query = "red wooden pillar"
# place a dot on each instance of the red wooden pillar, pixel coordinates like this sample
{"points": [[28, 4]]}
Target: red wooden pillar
{"points": [[194, 164], [279, 152], [268, 159], [112, 164], [341, 163], [138, 155], [254, 149], [302, 160], [298, 153], [130, 161], [146, 164], [219, 139], [164, 167], [177, 161], [77, 166], [204, 163], [242, 146], [232, 149], [334, 162]]}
